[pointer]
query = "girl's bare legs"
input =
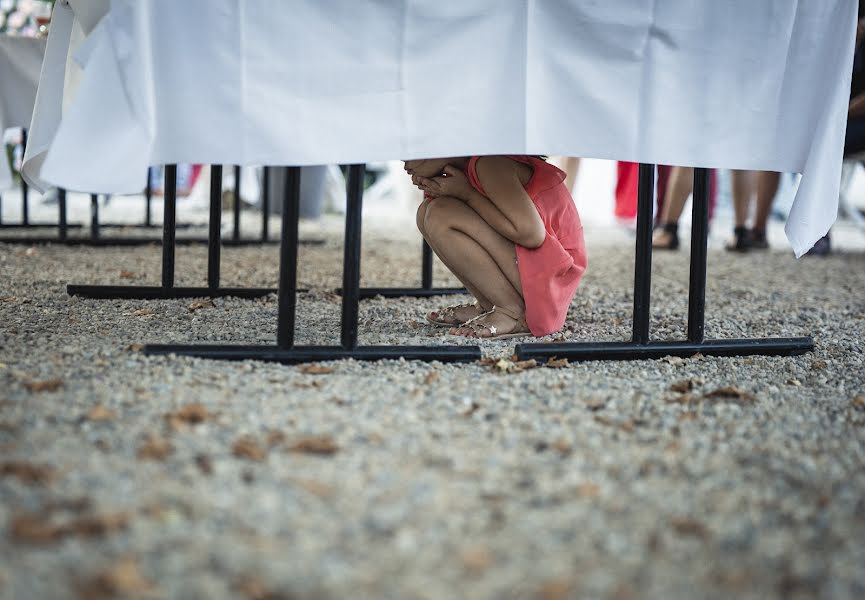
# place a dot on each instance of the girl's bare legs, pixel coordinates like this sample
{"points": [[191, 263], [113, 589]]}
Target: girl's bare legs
{"points": [[459, 313], [479, 256], [679, 187], [571, 166]]}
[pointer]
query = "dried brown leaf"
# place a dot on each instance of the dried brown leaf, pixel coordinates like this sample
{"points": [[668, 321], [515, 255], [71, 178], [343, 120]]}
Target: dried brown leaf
{"points": [[101, 413], [627, 425], [556, 363], [686, 398], [595, 404], [323, 445], [27, 473], [126, 274], [248, 448], [731, 393], [588, 490], [316, 370], [135, 347], [190, 414], [858, 402], [563, 447], [275, 438], [477, 559], [143, 312], [690, 527], [200, 304], [685, 385], [556, 589], [472, 409], [47, 385], [155, 448], [204, 464], [43, 527], [431, 377], [673, 360], [121, 579]]}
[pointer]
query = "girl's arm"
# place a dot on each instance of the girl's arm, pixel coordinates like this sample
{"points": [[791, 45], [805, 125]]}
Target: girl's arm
{"points": [[506, 207]]}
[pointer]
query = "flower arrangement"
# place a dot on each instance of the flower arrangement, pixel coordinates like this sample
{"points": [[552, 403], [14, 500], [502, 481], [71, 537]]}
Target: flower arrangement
{"points": [[20, 17]]}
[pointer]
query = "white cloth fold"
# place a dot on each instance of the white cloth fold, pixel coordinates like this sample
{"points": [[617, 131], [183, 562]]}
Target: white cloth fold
{"points": [[20, 61], [714, 84]]}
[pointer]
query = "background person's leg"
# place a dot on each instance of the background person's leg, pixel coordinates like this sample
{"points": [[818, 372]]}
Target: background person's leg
{"points": [[679, 187], [767, 188], [742, 190]]}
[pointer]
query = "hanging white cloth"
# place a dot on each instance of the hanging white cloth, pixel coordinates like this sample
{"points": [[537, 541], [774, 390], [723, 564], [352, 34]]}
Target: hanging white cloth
{"points": [[734, 84]]}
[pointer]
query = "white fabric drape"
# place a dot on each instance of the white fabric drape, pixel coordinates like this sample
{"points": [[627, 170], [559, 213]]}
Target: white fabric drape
{"points": [[20, 61], [733, 84]]}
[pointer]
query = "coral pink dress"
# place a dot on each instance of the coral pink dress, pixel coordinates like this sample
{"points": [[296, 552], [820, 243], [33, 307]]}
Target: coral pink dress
{"points": [[551, 272]]}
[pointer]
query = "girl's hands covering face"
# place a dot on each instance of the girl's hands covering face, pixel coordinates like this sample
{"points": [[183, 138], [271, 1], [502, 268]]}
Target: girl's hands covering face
{"points": [[453, 183]]}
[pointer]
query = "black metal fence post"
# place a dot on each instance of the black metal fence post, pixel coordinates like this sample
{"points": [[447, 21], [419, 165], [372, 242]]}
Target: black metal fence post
{"points": [[168, 231], [94, 216], [148, 197], [214, 241], [235, 235], [351, 255], [699, 244], [287, 299], [25, 189], [62, 226], [265, 203], [643, 254]]}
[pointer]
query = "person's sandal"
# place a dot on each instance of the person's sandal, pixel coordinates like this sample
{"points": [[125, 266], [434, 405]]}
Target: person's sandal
{"points": [[757, 240], [447, 316], [741, 241], [671, 231], [476, 327]]}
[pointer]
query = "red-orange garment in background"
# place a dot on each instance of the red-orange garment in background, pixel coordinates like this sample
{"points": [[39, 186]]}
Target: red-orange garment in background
{"points": [[626, 189]]}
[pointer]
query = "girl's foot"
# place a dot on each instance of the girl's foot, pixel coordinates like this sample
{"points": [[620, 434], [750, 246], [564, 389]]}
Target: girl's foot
{"points": [[455, 315], [497, 324], [757, 239], [666, 237]]}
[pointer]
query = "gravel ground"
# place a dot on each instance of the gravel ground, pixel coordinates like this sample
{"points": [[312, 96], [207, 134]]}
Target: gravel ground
{"points": [[128, 476]]}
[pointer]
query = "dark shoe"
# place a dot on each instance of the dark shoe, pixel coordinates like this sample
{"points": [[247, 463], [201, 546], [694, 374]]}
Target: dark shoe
{"points": [[741, 241], [822, 247], [666, 237], [757, 240]]}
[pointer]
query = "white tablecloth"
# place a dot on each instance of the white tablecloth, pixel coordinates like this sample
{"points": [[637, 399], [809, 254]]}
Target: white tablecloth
{"points": [[20, 60], [734, 84]]}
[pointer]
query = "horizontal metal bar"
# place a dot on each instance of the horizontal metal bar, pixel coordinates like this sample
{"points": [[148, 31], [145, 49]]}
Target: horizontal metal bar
{"points": [[132, 241], [301, 354], [395, 292], [784, 346], [145, 292], [40, 225]]}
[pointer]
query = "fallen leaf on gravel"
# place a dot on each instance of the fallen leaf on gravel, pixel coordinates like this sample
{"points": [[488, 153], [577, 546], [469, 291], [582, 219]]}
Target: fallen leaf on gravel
{"points": [[204, 464], [126, 275], [556, 363], [477, 559], [595, 404], [510, 366], [44, 527], [48, 385], [200, 304], [154, 448], [563, 447], [143, 312], [431, 377], [627, 425], [686, 385], [472, 409], [321, 444], [690, 527], [487, 361], [248, 449], [819, 364], [28, 473], [8, 298], [794, 382], [673, 360], [122, 579], [191, 414], [275, 438], [731, 392], [135, 347], [316, 488], [686, 398], [588, 490], [101, 413], [858, 402], [556, 589], [697, 356], [316, 370]]}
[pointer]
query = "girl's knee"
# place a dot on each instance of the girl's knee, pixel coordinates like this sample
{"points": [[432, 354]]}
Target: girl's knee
{"points": [[440, 213]]}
